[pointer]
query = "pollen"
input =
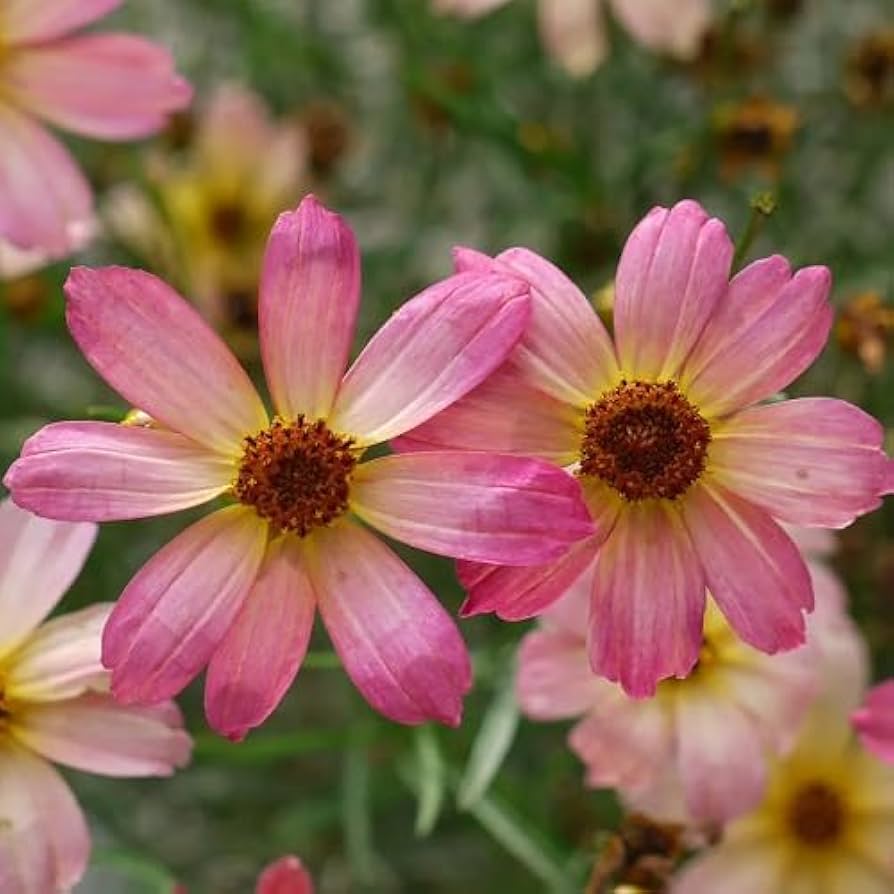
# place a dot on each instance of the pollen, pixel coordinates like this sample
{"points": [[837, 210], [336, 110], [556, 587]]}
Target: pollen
{"points": [[645, 440], [816, 815], [296, 475]]}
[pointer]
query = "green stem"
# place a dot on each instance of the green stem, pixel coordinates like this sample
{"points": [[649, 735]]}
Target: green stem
{"points": [[762, 206]]}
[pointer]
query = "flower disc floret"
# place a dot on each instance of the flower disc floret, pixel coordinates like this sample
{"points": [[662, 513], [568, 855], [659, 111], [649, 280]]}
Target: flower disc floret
{"points": [[296, 475], [816, 815], [645, 440]]}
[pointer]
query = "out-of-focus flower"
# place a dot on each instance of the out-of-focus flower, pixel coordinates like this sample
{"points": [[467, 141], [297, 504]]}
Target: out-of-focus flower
{"points": [[240, 588], [874, 721], [686, 473], [108, 86], [755, 134], [328, 132], [215, 206], [864, 327], [574, 31], [870, 70], [286, 876], [55, 707]]}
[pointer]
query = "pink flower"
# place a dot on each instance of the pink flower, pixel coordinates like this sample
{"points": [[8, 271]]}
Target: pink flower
{"points": [[109, 86], [874, 721], [55, 706], [240, 588], [285, 876], [575, 34], [686, 473]]}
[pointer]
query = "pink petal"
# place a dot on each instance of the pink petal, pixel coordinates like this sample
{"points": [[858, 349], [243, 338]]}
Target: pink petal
{"points": [[106, 472], [44, 198], [110, 86], [434, 350], [25, 21], [264, 647], [310, 292], [648, 600], [874, 722], [484, 507], [677, 28], [751, 866], [574, 34], [673, 272], [814, 461], [44, 841], [888, 479], [398, 645], [39, 560], [161, 357], [285, 876], [176, 610], [503, 414], [94, 734], [753, 569], [468, 8], [61, 659], [767, 330]]}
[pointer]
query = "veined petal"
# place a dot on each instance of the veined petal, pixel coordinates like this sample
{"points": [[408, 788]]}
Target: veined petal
{"points": [[161, 356], [888, 478], [310, 292], [176, 610], [813, 461], [484, 507], [676, 28], [101, 471], [433, 351], [648, 600], [398, 645], [39, 560], [25, 21], [285, 876], [753, 569], [111, 86], [874, 721], [259, 657], [738, 867], [673, 272], [574, 34]]}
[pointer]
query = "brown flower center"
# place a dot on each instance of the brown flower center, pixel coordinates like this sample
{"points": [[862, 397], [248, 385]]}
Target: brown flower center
{"points": [[645, 440], [816, 815], [229, 222], [296, 475]]}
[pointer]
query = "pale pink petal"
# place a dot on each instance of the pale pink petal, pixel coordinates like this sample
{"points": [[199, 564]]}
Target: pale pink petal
{"points": [[285, 876], [677, 28], [398, 645], [39, 560], [61, 659], [574, 34], [25, 21], [767, 330], [16, 262], [310, 292], [44, 197], [469, 9], [875, 721], [44, 840], [483, 507], [158, 353], [178, 607], [570, 614], [100, 471], [257, 661], [503, 414], [433, 351], [648, 600], [740, 867], [673, 272], [814, 461], [753, 569], [110, 86], [813, 542]]}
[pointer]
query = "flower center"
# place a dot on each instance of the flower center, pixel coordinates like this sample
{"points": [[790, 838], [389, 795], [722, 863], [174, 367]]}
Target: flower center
{"points": [[645, 440], [229, 222], [816, 815], [296, 475]]}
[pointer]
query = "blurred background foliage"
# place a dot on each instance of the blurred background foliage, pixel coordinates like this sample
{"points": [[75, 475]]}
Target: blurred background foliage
{"points": [[429, 132]]}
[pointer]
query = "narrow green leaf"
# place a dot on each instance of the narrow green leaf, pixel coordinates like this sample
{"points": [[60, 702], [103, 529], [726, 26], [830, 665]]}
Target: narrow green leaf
{"points": [[430, 779], [137, 868]]}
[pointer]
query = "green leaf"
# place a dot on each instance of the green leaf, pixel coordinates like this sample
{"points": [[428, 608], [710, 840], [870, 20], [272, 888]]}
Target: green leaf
{"points": [[430, 780]]}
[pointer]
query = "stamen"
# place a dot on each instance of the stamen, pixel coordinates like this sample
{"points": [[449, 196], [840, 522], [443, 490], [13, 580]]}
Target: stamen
{"points": [[817, 815]]}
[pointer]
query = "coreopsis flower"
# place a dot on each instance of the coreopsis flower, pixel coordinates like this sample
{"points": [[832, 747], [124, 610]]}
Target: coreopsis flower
{"points": [[874, 721], [286, 876], [574, 31], [108, 86], [864, 328], [869, 81], [239, 589], [687, 472], [55, 707], [702, 743]]}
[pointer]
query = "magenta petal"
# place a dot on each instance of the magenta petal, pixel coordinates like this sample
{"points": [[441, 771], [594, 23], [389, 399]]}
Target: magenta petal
{"points": [[433, 351], [310, 292], [100, 471], [888, 478], [256, 663], [25, 21], [484, 507], [398, 645], [161, 356], [285, 876], [753, 569], [648, 600], [874, 722], [178, 607]]}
